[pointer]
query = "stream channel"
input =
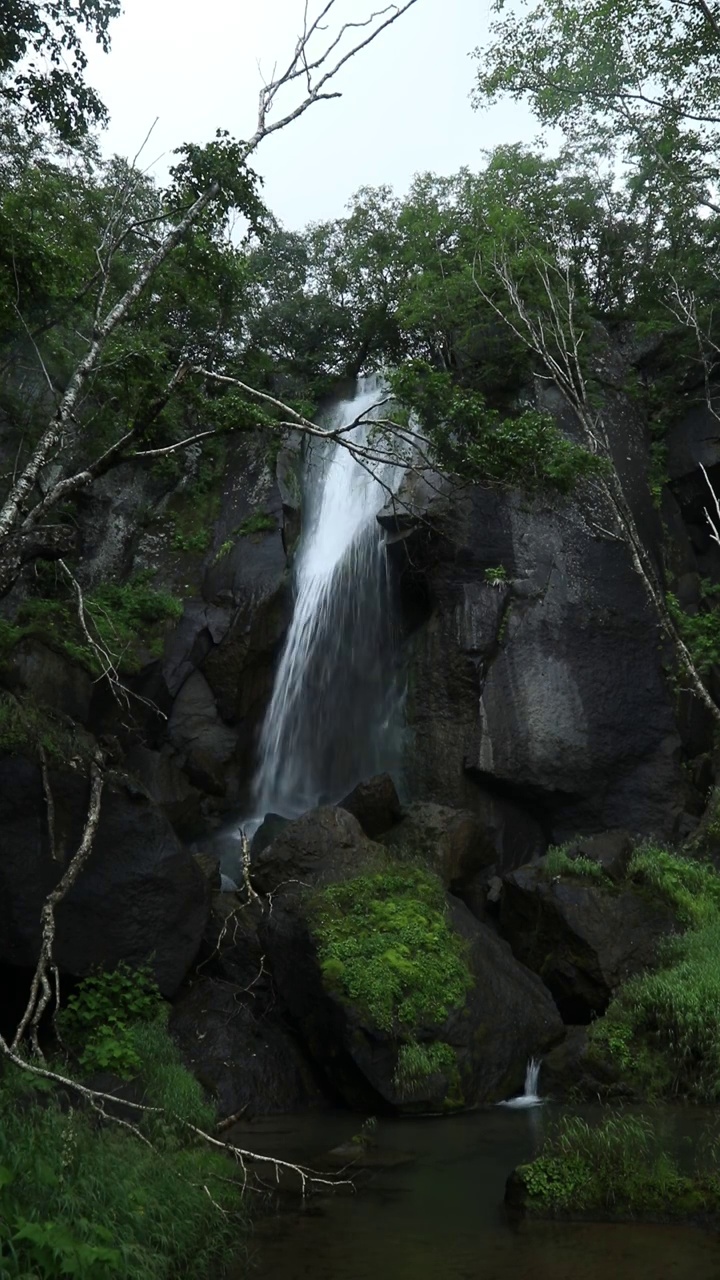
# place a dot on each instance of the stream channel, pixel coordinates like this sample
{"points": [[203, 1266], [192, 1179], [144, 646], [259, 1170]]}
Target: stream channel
{"points": [[441, 1217]]}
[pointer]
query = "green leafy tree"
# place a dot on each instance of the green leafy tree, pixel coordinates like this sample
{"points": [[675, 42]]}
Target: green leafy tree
{"points": [[43, 61]]}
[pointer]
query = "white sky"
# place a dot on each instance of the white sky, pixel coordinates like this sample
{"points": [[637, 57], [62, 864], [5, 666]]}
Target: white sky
{"points": [[405, 106]]}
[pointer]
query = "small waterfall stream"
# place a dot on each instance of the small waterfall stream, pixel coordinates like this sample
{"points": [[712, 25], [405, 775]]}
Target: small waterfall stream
{"points": [[332, 716]]}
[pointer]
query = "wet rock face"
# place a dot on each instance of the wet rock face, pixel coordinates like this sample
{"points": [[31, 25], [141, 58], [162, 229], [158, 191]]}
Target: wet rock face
{"points": [[546, 692], [140, 897], [583, 940], [375, 804]]}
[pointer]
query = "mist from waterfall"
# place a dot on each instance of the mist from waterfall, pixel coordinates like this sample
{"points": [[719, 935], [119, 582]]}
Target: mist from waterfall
{"points": [[332, 718]]}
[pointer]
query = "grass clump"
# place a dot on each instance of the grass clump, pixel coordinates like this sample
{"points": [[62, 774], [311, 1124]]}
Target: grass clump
{"points": [[558, 862], [617, 1166], [259, 522], [690, 887], [417, 1063], [662, 1028], [385, 942]]}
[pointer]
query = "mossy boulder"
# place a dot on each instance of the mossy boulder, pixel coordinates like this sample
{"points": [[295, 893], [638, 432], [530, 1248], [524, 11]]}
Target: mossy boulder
{"points": [[401, 997], [582, 935]]}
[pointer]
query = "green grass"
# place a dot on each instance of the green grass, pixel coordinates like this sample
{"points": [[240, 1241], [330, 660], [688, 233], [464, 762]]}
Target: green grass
{"points": [[87, 1200], [259, 522], [617, 1166], [385, 942], [559, 863], [690, 887], [662, 1028]]}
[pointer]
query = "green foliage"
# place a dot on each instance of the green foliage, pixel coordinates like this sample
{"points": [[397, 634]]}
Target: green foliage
{"points": [[418, 1063], [168, 1085], [617, 1165], [527, 451], [385, 942], [127, 620], [692, 888], [25, 726], [496, 577], [43, 60], [95, 1202], [661, 1028], [258, 522], [99, 1017], [559, 863], [701, 630]]}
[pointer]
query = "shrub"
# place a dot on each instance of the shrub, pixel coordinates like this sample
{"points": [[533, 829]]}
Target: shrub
{"points": [[259, 522], [385, 941], [98, 1019], [617, 1164]]}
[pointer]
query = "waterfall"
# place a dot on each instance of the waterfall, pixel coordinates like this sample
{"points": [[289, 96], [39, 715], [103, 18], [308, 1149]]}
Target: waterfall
{"points": [[330, 721], [530, 1096]]}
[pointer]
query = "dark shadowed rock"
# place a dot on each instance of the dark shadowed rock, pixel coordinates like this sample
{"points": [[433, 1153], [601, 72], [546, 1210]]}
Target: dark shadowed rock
{"points": [[203, 742], [167, 785], [140, 897], [246, 1060], [583, 940], [453, 842], [322, 845], [548, 691], [571, 1071], [270, 827], [375, 804]]}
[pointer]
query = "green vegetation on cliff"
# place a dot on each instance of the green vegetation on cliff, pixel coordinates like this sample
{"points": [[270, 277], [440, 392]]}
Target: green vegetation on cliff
{"points": [[661, 1028]]}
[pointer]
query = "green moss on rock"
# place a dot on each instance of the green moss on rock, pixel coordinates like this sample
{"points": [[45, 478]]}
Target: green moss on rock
{"points": [[385, 943]]}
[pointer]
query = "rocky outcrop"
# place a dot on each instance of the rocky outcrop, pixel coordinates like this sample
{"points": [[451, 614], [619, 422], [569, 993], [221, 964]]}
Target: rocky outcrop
{"points": [[323, 845], [375, 804], [453, 842], [507, 1017], [248, 1062], [583, 940], [476, 1052], [140, 898]]}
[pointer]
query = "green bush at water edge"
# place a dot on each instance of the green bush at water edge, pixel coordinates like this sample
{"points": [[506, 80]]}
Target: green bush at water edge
{"points": [[618, 1167]]}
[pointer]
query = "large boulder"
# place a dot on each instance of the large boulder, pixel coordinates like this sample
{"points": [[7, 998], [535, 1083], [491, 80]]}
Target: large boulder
{"points": [[453, 842], [322, 845], [375, 804], [140, 897], [247, 1060], [476, 1053], [582, 938]]}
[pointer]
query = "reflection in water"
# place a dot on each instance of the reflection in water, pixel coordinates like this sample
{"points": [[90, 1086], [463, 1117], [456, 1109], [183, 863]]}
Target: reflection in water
{"points": [[441, 1218]]}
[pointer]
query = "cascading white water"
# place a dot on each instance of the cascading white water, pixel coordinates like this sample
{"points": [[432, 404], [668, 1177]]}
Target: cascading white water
{"points": [[329, 723], [530, 1096]]}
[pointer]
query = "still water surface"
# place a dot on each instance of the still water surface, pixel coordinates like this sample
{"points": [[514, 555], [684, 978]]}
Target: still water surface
{"points": [[441, 1217]]}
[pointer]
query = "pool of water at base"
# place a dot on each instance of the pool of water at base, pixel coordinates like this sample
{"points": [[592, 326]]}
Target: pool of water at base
{"points": [[441, 1216]]}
